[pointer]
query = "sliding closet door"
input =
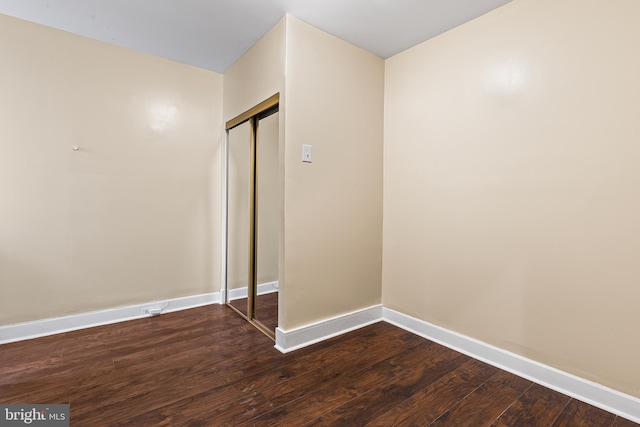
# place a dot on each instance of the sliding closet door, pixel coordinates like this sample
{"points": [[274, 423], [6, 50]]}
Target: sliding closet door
{"points": [[239, 217], [253, 214], [267, 220]]}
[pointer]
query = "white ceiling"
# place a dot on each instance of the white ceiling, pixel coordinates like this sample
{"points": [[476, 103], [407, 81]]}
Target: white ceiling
{"points": [[213, 34]]}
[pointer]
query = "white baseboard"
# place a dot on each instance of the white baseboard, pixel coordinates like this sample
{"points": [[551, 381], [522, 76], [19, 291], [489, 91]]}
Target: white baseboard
{"points": [[56, 325], [294, 339], [586, 391], [263, 288]]}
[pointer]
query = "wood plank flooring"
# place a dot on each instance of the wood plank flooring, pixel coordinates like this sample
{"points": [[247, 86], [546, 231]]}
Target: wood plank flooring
{"points": [[209, 367]]}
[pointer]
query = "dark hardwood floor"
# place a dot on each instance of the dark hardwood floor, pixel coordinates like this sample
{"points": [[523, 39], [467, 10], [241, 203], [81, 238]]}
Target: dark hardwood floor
{"points": [[209, 367]]}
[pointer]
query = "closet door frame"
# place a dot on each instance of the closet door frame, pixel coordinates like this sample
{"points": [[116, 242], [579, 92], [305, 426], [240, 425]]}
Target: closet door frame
{"points": [[253, 115]]}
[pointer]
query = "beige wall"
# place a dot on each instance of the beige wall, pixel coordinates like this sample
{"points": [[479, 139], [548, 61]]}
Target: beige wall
{"points": [[256, 76], [333, 206], [511, 184], [134, 215]]}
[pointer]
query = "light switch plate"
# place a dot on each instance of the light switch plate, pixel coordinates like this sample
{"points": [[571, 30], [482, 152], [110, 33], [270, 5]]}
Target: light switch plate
{"points": [[306, 153]]}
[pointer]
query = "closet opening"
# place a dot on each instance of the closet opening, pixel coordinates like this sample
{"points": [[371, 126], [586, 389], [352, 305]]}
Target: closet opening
{"points": [[253, 215]]}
